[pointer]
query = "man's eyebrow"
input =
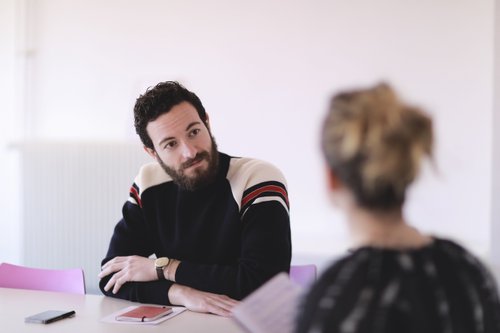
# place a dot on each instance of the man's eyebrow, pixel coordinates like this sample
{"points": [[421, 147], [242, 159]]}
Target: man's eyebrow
{"points": [[165, 139], [194, 123]]}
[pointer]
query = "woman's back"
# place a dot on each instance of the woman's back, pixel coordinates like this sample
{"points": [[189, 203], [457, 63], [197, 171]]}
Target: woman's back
{"points": [[374, 145], [437, 288]]}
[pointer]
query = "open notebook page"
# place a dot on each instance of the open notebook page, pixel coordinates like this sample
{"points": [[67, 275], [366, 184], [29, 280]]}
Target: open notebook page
{"points": [[271, 308]]}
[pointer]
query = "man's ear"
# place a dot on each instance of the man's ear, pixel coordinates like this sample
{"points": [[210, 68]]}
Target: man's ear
{"points": [[207, 121], [333, 181], [151, 152]]}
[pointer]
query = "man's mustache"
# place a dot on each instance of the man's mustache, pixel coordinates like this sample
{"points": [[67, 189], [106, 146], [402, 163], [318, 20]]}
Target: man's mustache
{"points": [[199, 157]]}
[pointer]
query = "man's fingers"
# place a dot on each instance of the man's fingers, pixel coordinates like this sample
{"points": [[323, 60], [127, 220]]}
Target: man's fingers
{"points": [[200, 301], [116, 281], [224, 299], [110, 268], [112, 262], [125, 269], [219, 308], [219, 311], [221, 305], [109, 263], [118, 285], [114, 265], [229, 301], [226, 304], [110, 284]]}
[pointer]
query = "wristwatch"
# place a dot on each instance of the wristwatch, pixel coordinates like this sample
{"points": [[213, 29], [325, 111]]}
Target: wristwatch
{"points": [[160, 264]]}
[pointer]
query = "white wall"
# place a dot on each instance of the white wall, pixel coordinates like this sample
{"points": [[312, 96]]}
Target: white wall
{"points": [[10, 130], [264, 70], [495, 220]]}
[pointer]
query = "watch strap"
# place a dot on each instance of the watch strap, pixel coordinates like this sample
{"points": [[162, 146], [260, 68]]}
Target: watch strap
{"points": [[159, 271]]}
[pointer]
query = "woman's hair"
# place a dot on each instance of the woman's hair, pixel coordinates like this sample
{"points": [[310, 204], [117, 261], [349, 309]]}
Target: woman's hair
{"points": [[374, 144]]}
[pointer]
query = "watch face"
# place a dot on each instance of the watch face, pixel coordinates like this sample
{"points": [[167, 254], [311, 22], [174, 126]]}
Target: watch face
{"points": [[161, 262]]}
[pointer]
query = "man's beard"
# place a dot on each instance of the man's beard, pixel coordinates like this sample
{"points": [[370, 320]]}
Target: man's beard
{"points": [[201, 178]]}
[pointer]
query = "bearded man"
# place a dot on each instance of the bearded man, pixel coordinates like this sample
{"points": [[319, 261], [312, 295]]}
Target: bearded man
{"points": [[200, 229]]}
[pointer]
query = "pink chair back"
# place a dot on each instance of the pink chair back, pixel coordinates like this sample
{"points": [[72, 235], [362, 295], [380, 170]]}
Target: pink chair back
{"points": [[62, 280], [303, 275]]}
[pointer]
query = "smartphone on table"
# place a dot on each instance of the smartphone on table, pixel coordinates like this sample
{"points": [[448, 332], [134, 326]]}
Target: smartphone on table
{"points": [[49, 316], [145, 313]]}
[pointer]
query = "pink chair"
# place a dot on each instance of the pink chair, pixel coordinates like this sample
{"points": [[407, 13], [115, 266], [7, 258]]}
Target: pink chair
{"points": [[303, 275], [63, 280]]}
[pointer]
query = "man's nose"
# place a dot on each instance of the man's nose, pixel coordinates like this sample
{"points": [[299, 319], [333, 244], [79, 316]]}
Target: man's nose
{"points": [[188, 151]]}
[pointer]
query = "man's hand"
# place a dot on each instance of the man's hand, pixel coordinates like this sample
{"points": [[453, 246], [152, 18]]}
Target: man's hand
{"points": [[130, 268], [201, 301]]}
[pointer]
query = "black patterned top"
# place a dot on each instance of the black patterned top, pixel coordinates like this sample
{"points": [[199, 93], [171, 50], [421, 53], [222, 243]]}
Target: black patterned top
{"points": [[440, 287]]}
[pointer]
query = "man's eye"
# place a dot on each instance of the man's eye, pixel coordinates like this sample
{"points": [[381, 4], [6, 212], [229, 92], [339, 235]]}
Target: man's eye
{"points": [[170, 145], [194, 132]]}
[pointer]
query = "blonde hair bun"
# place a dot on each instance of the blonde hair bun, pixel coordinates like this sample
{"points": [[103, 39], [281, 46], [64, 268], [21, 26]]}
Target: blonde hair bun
{"points": [[375, 144]]}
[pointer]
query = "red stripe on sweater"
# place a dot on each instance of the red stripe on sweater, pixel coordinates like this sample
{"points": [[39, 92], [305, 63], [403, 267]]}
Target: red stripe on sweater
{"points": [[135, 194], [268, 188]]}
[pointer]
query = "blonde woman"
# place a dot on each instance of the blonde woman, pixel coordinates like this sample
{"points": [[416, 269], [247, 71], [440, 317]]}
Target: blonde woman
{"points": [[396, 279]]}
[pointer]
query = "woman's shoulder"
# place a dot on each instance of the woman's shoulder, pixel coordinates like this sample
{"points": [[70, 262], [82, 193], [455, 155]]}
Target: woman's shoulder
{"points": [[439, 256], [370, 277]]}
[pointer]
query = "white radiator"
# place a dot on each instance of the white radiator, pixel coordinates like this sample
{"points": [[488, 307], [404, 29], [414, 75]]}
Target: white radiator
{"points": [[72, 195]]}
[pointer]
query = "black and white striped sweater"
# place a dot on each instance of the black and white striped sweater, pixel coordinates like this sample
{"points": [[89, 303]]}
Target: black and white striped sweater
{"points": [[230, 236]]}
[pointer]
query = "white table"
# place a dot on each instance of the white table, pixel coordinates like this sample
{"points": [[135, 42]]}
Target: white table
{"points": [[16, 304]]}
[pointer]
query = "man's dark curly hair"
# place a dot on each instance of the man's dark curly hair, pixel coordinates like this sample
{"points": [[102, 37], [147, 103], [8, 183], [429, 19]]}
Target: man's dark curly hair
{"points": [[159, 100]]}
